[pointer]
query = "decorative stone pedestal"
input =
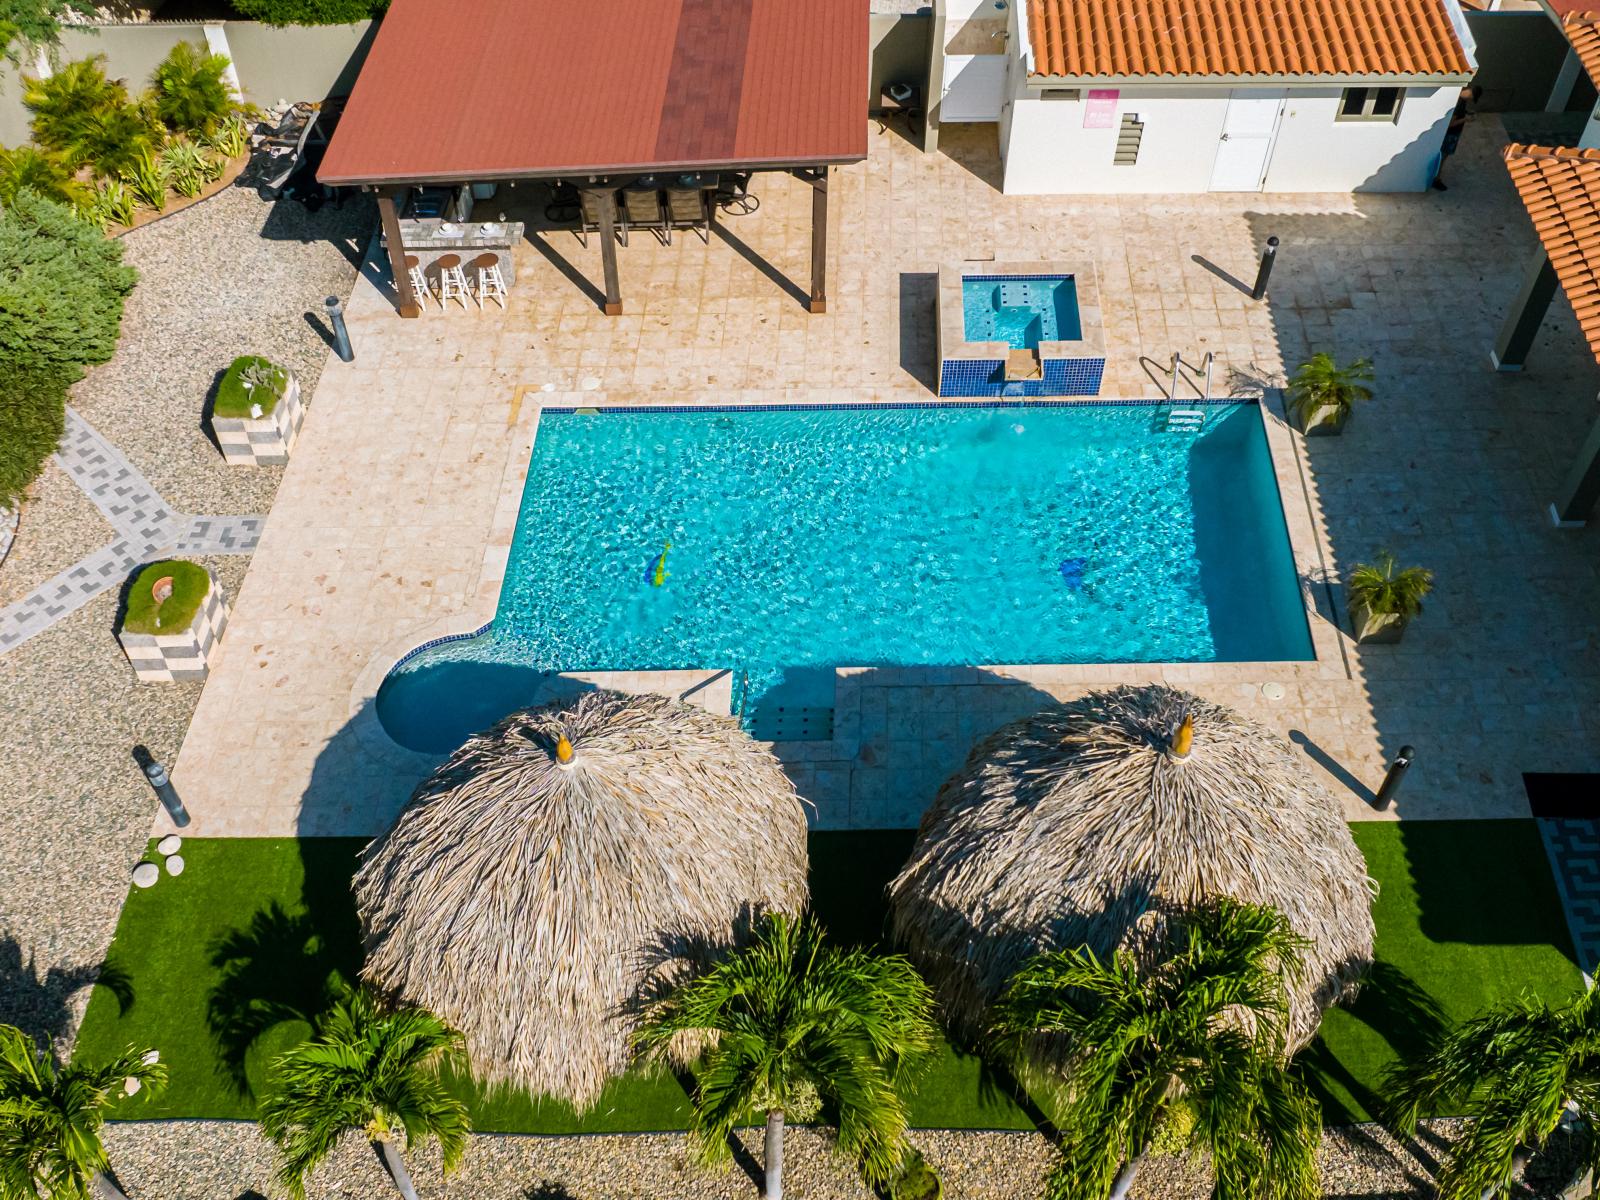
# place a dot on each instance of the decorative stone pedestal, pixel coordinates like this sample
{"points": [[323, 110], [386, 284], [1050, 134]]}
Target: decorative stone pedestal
{"points": [[180, 656], [266, 440]]}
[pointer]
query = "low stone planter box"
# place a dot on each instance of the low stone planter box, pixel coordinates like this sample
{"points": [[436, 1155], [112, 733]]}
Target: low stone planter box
{"points": [[265, 440], [1324, 421], [182, 656]]}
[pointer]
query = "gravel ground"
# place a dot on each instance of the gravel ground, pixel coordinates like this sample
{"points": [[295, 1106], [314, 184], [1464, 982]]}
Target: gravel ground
{"points": [[230, 1161], [228, 276]]}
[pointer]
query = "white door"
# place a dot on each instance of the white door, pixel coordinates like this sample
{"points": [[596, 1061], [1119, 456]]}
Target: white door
{"points": [[974, 87], [1248, 132]]}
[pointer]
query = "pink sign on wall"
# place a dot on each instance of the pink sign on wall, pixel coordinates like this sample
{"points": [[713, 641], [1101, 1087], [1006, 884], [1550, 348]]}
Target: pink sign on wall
{"points": [[1101, 110]]}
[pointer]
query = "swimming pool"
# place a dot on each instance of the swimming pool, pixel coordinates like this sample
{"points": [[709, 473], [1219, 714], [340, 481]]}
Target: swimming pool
{"points": [[1020, 310], [802, 540]]}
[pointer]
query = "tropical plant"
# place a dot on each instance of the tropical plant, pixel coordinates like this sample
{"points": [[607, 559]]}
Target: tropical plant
{"points": [[62, 284], [188, 89], [231, 136], [791, 1023], [1383, 586], [43, 172], [32, 421], [1514, 1070], [114, 203], [371, 1069], [63, 102], [310, 12], [35, 24], [1187, 1046], [50, 1118], [114, 139], [187, 167], [1321, 384], [148, 177]]}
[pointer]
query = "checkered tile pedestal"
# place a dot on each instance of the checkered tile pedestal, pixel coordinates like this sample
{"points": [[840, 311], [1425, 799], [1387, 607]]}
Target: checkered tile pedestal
{"points": [[252, 442], [179, 657]]}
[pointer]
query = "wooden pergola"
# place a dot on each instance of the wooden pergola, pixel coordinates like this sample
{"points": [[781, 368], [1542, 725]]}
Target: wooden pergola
{"points": [[601, 95]]}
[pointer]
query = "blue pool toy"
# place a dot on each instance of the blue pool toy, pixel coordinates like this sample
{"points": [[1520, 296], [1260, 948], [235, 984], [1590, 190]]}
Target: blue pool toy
{"points": [[1072, 571]]}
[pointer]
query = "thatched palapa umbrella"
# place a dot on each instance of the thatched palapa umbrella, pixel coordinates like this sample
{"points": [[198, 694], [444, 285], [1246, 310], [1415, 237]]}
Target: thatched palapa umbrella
{"points": [[1088, 822], [544, 876]]}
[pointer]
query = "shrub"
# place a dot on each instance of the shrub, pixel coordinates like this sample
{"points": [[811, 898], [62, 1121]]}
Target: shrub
{"points": [[40, 171], [188, 89], [190, 583], [114, 204], [62, 284], [250, 380], [187, 167], [310, 12], [32, 420], [231, 136], [87, 118], [62, 103]]}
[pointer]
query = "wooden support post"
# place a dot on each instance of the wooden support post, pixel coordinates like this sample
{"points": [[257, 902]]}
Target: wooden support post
{"points": [[606, 204], [819, 240], [389, 215], [1527, 314]]}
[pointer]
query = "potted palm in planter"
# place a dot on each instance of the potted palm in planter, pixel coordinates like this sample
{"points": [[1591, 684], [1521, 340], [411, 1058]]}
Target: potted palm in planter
{"points": [[1383, 597], [1322, 393]]}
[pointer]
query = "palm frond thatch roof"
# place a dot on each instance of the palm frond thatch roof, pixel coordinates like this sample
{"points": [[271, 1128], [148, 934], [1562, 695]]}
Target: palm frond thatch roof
{"points": [[529, 901], [1087, 822]]}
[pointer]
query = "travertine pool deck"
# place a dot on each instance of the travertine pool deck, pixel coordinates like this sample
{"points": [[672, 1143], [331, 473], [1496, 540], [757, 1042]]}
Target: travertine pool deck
{"points": [[395, 516]]}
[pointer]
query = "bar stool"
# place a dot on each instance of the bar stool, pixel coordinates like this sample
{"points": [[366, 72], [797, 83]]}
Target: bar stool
{"points": [[452, 281], [419, 281], [491, 284]]}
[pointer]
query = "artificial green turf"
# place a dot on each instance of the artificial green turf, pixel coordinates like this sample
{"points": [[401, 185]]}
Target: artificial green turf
{"points": [[1467, 915], [256, 931], [190, 583], [254, 935], [234, 399]]}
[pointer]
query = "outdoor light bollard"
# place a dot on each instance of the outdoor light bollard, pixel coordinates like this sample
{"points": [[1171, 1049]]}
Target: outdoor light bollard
{"points": [[157, 775], [1392, 779], [341, 332], [1269, 255]]}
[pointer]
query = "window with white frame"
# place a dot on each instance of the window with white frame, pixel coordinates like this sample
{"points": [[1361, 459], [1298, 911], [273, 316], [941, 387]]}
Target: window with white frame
{"points": [[1370, 104]]}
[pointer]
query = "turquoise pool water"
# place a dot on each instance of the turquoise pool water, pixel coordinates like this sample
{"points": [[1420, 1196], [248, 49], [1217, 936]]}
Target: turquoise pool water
{"points": [[805, 540], [1020, 311]]}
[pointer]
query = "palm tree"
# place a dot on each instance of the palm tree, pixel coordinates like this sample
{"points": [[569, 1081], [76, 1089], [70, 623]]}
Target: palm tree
{"points": [[366, 1068], [1321, 383], [791, 1022], [1514, 1069], [1383, 586], [50, 1118], [1188, 1043]]}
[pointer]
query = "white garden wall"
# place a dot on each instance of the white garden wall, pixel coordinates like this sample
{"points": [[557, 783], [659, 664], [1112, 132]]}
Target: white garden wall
{"points": [[1047, 150]]}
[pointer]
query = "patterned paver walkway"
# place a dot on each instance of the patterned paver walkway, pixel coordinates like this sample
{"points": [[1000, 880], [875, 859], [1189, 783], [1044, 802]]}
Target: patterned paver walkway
{"points": [[1573, 845], [146, 526]]}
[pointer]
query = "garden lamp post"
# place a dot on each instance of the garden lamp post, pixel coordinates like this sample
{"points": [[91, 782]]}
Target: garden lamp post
{"points": [[341, 332]]}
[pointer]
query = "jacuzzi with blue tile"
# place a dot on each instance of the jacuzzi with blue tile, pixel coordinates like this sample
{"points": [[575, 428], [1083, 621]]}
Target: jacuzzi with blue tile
{"points": [[1019, 329]]}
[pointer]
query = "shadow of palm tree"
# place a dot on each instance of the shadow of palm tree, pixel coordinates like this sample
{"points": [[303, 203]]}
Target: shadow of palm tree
{"points": [[280, 967], [39, 1003]]}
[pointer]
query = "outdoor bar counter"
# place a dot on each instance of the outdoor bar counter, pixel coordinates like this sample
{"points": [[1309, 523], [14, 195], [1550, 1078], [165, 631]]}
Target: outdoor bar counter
{"points": [[430, 239]]}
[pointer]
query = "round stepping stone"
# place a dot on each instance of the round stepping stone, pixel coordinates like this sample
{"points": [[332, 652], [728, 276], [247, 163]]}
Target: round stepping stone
{"points": [[174, 864], [169, 844], [146, 874]]}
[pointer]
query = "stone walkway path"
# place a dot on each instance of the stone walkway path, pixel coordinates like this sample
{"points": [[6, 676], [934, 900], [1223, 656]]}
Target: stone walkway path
{"points": [[1573, 845], [146, 526]]}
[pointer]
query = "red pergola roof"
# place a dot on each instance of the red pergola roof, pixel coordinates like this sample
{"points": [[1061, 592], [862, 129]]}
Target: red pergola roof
{"points": [[500, 89]]}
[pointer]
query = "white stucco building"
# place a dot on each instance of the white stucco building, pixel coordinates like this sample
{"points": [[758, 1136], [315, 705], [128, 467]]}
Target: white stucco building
{"points": [[1106, 96]]}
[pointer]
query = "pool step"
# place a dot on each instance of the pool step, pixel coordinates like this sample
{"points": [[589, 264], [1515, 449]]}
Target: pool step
{"points": [[1185, 420], [1023, 365]]}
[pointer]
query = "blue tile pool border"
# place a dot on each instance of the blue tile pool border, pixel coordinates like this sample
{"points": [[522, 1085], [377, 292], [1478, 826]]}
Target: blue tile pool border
{"points": [[952, 402], [443, 640]]}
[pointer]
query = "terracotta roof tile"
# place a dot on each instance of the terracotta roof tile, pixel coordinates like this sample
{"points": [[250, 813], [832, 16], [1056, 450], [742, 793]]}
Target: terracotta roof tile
{"points": [[1115, 38], [1560, 188], [1583, 31]]}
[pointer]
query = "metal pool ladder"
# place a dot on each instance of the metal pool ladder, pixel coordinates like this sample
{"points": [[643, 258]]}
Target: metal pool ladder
{"points": [[1186, 419]]}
